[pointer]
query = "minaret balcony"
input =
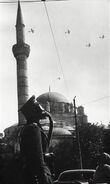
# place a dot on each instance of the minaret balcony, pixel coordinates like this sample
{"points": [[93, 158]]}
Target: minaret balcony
{"points": [[21, 50]]}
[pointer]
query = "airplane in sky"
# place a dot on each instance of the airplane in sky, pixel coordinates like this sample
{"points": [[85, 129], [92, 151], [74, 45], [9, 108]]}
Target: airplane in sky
{"points": [[31, 30], [88, 45], [68, 31], [102, 37]]}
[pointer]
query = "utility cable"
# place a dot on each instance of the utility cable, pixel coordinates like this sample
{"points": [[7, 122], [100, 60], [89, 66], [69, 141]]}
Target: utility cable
{"points": [[99, 99], [57, 51], [30, 1]]}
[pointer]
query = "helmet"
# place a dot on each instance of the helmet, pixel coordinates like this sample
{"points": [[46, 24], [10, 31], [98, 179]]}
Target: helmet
{"points": [[32, 109]]}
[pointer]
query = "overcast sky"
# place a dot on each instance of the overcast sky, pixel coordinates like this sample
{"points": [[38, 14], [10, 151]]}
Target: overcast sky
{"points": [[83, 70]]}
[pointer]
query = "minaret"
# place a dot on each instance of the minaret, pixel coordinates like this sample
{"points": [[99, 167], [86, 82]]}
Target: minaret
{"points": [[21, 52]]}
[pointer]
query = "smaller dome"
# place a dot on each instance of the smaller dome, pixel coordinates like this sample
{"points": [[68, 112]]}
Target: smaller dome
{"points": [[69, 128], [61, 131], [45, 128]]}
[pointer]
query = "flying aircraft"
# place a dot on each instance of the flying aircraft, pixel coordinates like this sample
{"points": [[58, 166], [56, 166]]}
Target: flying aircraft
{"points": [[88, 45], [59, 78], [68, 31], [31, 30], [102, 37]]}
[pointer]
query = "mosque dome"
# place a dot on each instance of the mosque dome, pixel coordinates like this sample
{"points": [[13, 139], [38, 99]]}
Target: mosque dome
{"points": [[69, 128], [61, 131], [57, 130], [52, 97]]}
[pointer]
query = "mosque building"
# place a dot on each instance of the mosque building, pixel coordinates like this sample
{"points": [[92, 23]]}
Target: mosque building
{"points": [[62, 114], [55, 103]]}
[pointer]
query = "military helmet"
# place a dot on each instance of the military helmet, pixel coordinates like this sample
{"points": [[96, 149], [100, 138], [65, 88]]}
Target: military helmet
{"points": [[32, 109]]}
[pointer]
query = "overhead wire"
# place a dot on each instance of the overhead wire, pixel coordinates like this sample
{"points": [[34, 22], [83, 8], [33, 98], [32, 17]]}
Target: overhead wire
{"points": [[57, 50], [99, 99], [29, 1]]}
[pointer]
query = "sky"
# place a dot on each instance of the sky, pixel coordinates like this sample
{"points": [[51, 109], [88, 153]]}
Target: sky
{"points": [[73, 63]]}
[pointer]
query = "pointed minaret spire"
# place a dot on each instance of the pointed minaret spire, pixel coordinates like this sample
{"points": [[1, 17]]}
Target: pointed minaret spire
{"points": [[19, 15], [21, 52], [20, 36]]}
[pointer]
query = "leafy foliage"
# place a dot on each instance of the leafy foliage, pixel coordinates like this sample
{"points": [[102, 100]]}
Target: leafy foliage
{"points": [[91, 144], [63, 156], [91, 141], [107, 140]]}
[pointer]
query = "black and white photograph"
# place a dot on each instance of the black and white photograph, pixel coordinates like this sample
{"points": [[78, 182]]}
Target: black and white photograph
{"points": [[54, 91]]}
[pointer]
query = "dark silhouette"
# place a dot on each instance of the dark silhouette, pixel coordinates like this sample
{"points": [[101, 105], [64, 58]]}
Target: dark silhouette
{"points": [[102, 174], [34, 144]]}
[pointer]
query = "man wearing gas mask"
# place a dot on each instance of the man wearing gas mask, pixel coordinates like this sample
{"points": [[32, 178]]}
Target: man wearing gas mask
{"points": [[34, 143]]}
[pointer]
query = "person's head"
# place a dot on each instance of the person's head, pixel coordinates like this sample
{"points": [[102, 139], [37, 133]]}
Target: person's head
{"points": [[105, 158], [32, 110]]}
